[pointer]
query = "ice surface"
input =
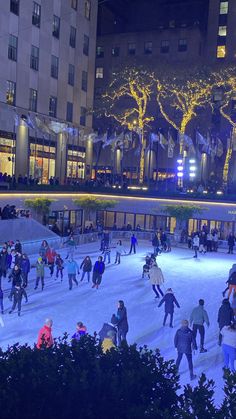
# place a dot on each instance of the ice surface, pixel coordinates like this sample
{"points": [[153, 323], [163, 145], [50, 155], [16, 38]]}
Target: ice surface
{"points": [[190, 279]]}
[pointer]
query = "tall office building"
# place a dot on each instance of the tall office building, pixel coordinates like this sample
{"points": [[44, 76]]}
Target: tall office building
{"points": [[47, 54]]}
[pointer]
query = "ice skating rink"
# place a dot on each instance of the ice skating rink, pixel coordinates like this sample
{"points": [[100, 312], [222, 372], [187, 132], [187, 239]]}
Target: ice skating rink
{"points": [[189, 278]]}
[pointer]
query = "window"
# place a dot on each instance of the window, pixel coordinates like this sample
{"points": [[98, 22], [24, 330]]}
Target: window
{"points": [[115, 51], [14, 7], [69, 112], [224, 7], [11, 93], [36, 16], [53, 106], [33, 97], [74, 4], [222, 31], [34, 58], [100, 52], [56, 27], [72, 36], [148, 48], [12, 48], [84, 81], [131, 48], [182, 46], [86, 45], [221, 51], [87, 10], [83, 116], [54, 67], [99, 73], [165, 47], [71, 75]]}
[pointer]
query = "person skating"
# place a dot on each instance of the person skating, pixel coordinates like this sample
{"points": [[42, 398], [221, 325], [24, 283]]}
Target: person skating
{"points": [[119, 250], [231, 243], [209, 242], [98, 270], [133, 244], [81, 330], [18, 293], [198, 317], [202, 243], [72, 269], [232, 283], [51, 256], [59, 266], [16, 278], [43, 250], [170, 302], [40, 272], [195, 244], [25, 269], [108, 341], [71, 246], [156, 245], [107, 254], [3, 263], [225, 316], [184, 343], [156, 279], [122, 322], [86, 265], [229, 346], [107, 327], [18, 247], [45, 339]]}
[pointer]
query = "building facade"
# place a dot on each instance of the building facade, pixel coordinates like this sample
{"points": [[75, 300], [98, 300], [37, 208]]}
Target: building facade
{"points": [[47, 53]]}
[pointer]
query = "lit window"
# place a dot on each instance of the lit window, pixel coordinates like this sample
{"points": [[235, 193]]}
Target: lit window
{"points": [[148, 48], [221, 51], [222, 31], [182, 46], [115, 51], [14, 7], [100, 52], [56, 27], [12, 48], [34, 58], [131, 48], [224, 7], [33, 100], [99, 73], [87, 11], [36, 15], [11, 93]]}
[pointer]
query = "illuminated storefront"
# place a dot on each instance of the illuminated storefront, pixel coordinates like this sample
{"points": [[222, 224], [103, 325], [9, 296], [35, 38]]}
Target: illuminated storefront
{"points": [[42, 159], [7, 153], [75, 162]]}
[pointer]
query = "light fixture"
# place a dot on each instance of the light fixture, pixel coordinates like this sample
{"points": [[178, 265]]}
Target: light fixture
{"points": [[192, 161], [192, 168], [180, 174], [192, 174], [180, 168], [180, 161]]}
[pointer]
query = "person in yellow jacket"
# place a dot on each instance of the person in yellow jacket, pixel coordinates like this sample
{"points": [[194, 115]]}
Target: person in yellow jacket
{"points": [[108, 342]]}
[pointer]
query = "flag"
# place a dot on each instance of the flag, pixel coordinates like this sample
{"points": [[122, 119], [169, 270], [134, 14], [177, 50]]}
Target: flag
{"points": [[154, 138], [200, 139], [189, 143], [162, 141], [17, 120], [171, 146], [57, 127]]}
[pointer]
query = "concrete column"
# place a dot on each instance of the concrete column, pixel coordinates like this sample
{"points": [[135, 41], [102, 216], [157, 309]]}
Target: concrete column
{"points": [[150, 163], [89, 159], [117, 161], [61, 158], [204, 168], [22, 150]]}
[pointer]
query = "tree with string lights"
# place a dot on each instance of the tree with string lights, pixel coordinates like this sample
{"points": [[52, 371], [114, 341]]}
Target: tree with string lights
{"points": [[179, 98], [136, 85]]}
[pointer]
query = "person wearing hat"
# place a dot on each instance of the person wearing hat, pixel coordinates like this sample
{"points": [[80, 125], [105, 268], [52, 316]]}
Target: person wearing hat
{"points": [[108, 341], [184, 343]]}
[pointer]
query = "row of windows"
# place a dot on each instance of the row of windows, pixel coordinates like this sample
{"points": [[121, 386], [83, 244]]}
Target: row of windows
{"points": [[36, 13], [222, 29], [33, 100], [148, 47]]}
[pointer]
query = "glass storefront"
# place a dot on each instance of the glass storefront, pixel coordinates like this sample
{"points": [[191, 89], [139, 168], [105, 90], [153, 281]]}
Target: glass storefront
{"points": [[75, 162], [67, 219], [42, 160], [7, 156]]}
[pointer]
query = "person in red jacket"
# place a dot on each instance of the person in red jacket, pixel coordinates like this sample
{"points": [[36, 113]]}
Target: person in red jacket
{"points": [[51, 255], [45, 338]]}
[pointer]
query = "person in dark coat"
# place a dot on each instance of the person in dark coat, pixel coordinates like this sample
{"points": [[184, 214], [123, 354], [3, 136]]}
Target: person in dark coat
{"points": [[18, 246], [133, 244], [107, 327], [225, 316], [184, 343], [122, 322], [25, 269], [87, 267], [16, 276], [59, 266], [170, 301], [231, 243], [98, 270], [3, 263], [18, 293]]}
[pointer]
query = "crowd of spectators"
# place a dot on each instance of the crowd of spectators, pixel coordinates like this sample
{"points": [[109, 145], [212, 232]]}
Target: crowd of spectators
{"points": [[10, 212]]}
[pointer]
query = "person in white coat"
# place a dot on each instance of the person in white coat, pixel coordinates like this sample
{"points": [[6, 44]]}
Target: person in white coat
{"points": [[229, 346], [156, 279], [195, 244], [119, 250]]}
